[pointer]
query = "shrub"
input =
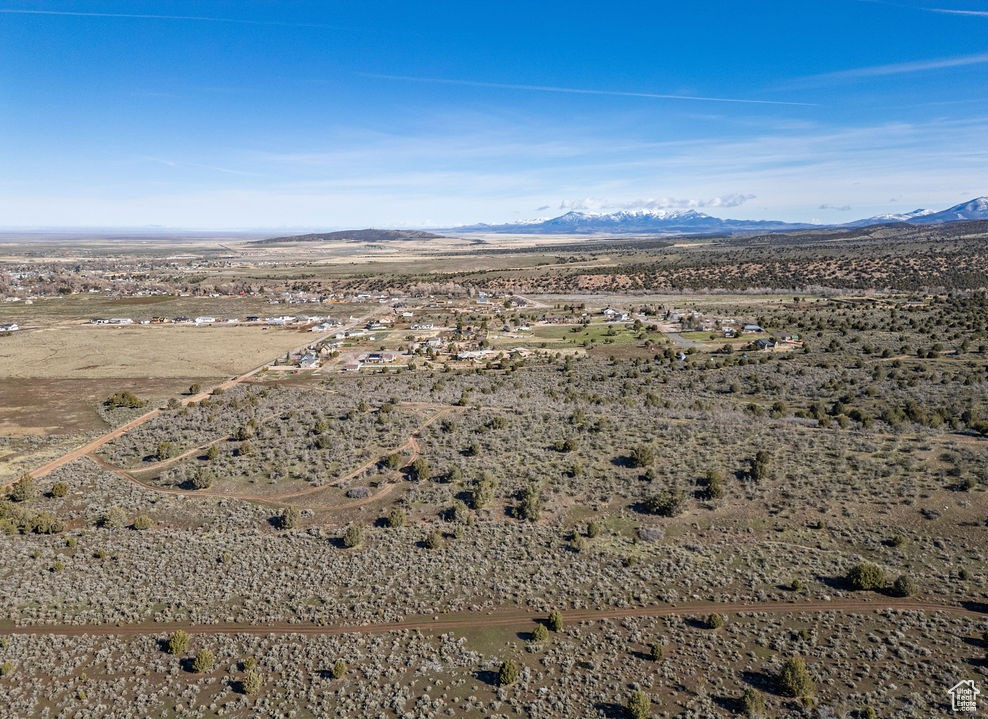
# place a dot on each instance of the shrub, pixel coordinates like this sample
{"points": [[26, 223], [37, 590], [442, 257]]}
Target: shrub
{"points": [[642, 456], [434, 540], [194, 388], [203, 661], [177, 643], [529, 506], [714, 484], [420, 470], [655, 651], [59, 489], [396, 518], [202, 479], [393, 460], [142, 522], [353, 536], [46, 523], [863, 577], [540, 633], [753, 703], [507, 673], [577, 543], [6, 668], [593, 530], [289, 518], [903, 586], [795, 680], [715, 621], [457, 512], [761, 466], [667, 503], [115, 518], [483, 492], [23, 489], [123, 399], [166, 450], [339, 669], [251, 683], [555, 621], [639, 705]]}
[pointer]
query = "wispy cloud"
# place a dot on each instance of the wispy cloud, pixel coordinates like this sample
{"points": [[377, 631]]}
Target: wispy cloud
{"points": [[580, 91], [900, 68], [838, 208], [972, 13], [199, 166], [186, 18], [652, 203], [665, 203]]}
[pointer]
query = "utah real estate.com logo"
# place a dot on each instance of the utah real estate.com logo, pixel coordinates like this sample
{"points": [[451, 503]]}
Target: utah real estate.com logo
{"points": [[964, 696]]}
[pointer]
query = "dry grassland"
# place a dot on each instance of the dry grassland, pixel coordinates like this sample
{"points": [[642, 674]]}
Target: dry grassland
{"points": [[143, 351]]}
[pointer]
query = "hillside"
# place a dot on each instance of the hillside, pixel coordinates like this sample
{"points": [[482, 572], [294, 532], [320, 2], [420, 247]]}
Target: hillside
{"points": [[368, 235]]}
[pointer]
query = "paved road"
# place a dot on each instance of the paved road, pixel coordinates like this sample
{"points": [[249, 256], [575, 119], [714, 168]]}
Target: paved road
{"points": [[502, 618]]}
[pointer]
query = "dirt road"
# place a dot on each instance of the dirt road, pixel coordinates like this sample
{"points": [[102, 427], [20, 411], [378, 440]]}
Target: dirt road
{"points": [[503, 618], [410, 445], [113, 434]]}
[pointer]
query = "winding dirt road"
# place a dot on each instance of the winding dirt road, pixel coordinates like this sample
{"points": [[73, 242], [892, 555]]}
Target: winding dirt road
{"points": [[411, 445], [501, 618]]}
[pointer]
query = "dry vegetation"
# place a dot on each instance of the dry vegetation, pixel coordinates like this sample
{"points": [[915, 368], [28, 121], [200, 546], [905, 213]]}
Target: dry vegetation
{"points": [[686, 497]]}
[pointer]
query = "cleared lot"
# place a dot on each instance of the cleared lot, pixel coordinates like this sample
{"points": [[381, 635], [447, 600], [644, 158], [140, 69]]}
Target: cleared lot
{"points": [[165, 351]]}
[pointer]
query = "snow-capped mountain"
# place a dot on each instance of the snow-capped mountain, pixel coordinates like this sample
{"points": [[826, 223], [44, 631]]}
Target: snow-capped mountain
{"points": [[976, 209], [886, 218], [685, 222], [636, 222]]}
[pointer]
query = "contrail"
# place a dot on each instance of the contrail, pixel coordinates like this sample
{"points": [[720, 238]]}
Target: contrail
{"points": [[581, 91], [904, 68], [188, 18], [974, 13]]}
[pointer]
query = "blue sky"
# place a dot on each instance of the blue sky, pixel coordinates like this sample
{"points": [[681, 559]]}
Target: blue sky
{"points": [[305, 114]]}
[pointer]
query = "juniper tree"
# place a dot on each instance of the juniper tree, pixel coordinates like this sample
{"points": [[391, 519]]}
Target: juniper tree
{"points": [[865, 577], [177, 643], [795, 680], [203, 661], [639, 705], [353, 536], [507, 674]]}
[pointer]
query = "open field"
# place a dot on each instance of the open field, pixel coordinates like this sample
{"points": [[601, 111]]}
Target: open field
{"points": [[471, 454], [154, 352]]}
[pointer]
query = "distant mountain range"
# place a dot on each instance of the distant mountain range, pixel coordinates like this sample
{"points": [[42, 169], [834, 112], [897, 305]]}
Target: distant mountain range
{"points": [[350, 236], [680, 222], [642, 222]]}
